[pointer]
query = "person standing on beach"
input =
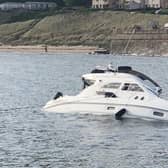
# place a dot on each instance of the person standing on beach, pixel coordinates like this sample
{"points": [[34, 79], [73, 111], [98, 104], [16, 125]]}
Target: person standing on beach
{"points": [[46, 48]]}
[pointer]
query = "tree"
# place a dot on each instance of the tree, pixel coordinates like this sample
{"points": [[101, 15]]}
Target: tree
{"points": [[59, 2], [77, 2]]}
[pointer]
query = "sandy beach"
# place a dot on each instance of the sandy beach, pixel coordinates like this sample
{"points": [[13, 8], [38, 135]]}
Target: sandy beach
{"points": [[52, 49], [67, 49]]}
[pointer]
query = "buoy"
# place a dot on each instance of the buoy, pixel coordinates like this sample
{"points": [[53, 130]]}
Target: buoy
{"points": [[119, 114], [59, 94]]}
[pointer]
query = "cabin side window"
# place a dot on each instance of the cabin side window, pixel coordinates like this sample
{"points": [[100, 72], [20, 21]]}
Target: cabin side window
{"points": [[132, 87], [112, 85]]}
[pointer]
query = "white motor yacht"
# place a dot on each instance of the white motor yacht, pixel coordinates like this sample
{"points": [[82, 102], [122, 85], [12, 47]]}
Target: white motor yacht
{"points": [[122, 92]]}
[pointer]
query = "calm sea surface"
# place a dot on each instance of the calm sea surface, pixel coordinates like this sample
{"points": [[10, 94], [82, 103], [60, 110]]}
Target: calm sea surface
{"points": [[32, 138]]}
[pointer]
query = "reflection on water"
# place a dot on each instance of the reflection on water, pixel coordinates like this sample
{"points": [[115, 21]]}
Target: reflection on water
{"points": [[31, 138]]}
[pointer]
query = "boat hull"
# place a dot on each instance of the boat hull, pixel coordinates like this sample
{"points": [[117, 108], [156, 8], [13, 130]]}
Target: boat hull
{"points": [[94, 108]]}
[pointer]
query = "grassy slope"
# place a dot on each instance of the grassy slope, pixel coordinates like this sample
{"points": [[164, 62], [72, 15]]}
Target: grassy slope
{"points": [[75, 28]]}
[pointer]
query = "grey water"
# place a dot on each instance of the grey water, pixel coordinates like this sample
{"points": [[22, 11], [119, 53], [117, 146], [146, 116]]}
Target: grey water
{"points": [[32, 138]]}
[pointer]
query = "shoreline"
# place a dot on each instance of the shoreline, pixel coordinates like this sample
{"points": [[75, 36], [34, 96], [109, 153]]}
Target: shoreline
{"points": [[48, 49], [69, 49]]}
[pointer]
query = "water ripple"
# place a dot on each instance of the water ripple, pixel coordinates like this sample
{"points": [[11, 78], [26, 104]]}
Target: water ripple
{"points": [[31, 138]]}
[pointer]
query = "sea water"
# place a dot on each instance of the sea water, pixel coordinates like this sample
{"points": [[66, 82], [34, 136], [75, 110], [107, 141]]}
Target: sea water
{"points": [[32, 138]]}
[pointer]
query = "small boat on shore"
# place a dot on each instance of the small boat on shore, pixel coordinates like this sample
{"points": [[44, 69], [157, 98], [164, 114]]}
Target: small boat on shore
{"points": [[100, 51], [121, 92]]}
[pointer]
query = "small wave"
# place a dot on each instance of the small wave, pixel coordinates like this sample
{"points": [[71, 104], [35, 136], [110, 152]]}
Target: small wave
{"points": [[20, 108]]}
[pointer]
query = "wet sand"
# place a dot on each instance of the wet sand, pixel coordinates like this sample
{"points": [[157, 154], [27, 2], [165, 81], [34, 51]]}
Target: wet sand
{"points": [[43, 48]]}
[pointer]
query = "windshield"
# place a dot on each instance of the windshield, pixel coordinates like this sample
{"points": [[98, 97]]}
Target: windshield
{"points": [[145, 78]]}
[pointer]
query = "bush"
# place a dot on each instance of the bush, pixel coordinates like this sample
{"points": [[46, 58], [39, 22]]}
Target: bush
{"points": [[77, 2], [59, 2]]}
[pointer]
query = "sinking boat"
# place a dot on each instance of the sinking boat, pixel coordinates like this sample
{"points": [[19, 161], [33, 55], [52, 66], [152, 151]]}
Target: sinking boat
{"points": [[121, 92]]}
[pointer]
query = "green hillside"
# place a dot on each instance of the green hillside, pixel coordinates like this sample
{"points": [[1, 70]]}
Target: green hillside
{"points": [[76, 27]]}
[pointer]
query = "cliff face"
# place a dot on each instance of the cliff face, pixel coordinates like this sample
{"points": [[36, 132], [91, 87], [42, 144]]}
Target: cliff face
{"points": [[109, 29]]}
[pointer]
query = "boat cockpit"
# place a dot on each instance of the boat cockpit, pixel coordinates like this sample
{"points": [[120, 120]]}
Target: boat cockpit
{"points": [[101, 74]]}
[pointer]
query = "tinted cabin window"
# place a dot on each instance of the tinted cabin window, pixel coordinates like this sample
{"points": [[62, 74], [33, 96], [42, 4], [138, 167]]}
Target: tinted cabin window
{"points": [[112, 85], [110, 94], [126, 86], [132, 87]]}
